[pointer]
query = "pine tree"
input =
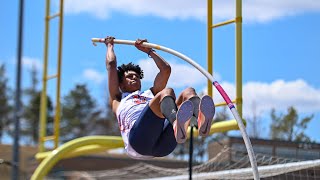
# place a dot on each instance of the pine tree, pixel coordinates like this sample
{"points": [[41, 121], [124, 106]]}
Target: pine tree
{"points": [[288, 127], [254, 123], [107, 124], [30, 120], [5, 107], [79, 114]]}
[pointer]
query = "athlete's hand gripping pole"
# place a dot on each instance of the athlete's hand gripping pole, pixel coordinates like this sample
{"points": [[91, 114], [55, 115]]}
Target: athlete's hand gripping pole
{"points": [[127, 42]]}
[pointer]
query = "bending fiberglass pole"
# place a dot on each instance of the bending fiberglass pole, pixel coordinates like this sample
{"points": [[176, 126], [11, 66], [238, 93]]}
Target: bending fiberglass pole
{"points": [[214, 82]]}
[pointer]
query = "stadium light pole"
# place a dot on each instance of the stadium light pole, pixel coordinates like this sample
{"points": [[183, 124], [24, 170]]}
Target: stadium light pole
{"points": [[17, 109]]}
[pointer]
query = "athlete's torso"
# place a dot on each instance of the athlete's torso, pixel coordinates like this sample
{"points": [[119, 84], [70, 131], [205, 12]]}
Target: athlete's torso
{"points": [[128, 111]]}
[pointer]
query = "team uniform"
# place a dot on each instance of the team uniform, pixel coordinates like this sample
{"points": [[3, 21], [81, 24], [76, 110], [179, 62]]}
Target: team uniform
{"points": [[145, 135]]}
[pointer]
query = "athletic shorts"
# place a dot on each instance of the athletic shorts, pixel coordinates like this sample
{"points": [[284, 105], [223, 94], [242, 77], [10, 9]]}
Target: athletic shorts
{"points": [[150, 137]]}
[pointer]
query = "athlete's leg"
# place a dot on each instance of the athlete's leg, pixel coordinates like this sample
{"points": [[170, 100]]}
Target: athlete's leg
{"points": [[168, 108], [204, 109], [146, 131], [183, 122], [163, 104], [166, 143], [148, 128], [190, 94], [186, 94], [206, 113]]}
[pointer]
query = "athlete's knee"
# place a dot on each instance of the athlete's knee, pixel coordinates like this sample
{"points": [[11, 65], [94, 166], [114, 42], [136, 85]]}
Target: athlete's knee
{"points": [[189, 92], [167, 92]]}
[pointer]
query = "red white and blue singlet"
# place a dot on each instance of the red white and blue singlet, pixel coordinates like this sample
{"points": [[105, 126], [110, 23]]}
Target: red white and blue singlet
{"points": [[129, 110]]}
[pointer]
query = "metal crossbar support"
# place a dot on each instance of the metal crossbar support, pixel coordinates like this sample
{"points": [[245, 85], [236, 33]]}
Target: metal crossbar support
{"points": [[43, 105]]}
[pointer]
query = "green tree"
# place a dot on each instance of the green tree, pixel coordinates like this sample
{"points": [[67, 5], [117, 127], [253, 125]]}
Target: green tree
{"points": [[108, 123], [30, 123], [288, 127], [79, 114], [222, 115], [31, 117], [254, 123], [103, 122], [5, 107]]}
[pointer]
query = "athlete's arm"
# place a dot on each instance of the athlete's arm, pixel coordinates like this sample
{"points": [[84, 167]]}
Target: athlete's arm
{"points": [[162, 77], [113, 83]]}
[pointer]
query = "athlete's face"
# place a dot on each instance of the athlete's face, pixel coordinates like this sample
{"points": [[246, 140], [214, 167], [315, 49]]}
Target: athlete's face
{"points": [[131, 82]]}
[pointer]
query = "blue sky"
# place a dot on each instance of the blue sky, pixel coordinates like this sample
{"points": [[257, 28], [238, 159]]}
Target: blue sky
{"points": [[280, 48]]}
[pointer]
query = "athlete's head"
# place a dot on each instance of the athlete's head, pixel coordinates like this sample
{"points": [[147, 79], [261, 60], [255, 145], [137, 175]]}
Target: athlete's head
{"points": [[130, 76]]}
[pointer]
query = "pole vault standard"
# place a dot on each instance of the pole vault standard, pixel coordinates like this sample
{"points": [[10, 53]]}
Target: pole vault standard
{"points": [[214, 83]]}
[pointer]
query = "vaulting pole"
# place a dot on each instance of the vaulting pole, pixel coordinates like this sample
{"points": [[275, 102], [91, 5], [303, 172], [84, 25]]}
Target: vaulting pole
{"points": [[215, 83]]}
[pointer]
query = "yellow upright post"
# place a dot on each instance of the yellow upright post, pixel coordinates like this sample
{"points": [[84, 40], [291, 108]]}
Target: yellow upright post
{"points": [[58, 108], [43, 105], [239, 56], [238, 49]]}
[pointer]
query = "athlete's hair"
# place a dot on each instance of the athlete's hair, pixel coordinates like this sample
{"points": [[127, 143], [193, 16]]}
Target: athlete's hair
{"points": [[129, 67]]}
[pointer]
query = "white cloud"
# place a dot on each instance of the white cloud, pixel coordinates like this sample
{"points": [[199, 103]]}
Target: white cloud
{"points": [[253, 10], [278, 94], [182, 75], [30, 63], [165, 8], [93, 75], [267, 10]]}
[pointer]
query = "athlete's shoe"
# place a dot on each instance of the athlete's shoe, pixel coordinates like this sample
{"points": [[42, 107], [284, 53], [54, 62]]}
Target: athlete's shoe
{"points": [[182, 122], [206, 113]]}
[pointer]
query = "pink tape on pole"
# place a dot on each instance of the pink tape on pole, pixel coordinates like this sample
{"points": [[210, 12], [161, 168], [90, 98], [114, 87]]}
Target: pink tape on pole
{"points": [[223, 94]]}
